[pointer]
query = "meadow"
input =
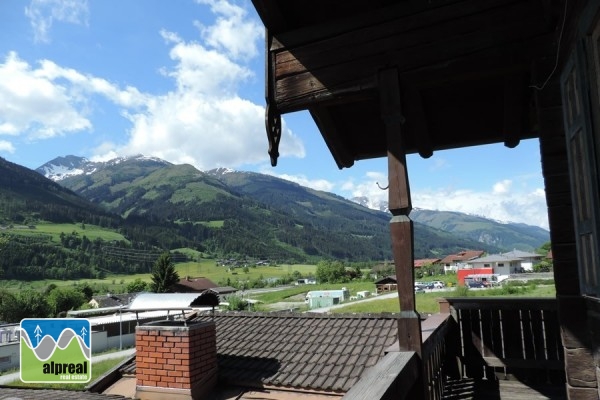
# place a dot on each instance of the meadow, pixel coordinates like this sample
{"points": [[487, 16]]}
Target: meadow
{"points": [[427, 302], [207, 268], [54, 230]]}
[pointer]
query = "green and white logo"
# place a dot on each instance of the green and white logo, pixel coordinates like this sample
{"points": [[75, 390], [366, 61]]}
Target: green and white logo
{"points": [[56, 350]]}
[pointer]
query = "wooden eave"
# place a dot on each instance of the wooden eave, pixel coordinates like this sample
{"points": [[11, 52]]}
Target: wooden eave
{"points": [[465, 69]]}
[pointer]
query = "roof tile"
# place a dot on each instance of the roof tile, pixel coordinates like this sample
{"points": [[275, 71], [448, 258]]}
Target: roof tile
{"points": [[305, 351]]}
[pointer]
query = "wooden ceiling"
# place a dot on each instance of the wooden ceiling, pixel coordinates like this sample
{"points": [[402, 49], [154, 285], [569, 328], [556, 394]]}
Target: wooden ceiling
{"points": [[465, 69]]}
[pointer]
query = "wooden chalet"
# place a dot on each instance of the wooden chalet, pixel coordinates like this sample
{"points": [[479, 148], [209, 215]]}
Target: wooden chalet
{"points": [[386, 284], [385, 78]]}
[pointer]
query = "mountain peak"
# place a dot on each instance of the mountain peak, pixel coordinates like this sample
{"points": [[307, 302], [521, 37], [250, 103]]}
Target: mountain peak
{"points": [[220, 171], [61, 168]]}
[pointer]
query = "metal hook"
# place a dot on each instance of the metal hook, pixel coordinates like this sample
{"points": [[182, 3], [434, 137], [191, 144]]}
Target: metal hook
{"points": [[382, 188]]}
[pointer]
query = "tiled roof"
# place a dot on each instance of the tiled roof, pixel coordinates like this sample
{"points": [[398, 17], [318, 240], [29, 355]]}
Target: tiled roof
{"points": [[53, 394], [426, 261], [462, 256], [198, 284], [114, 300], [387, 279], [299, 351], [522, 254]]}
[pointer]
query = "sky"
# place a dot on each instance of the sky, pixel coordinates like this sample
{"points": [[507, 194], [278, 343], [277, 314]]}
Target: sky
{"points": [[183, 80]]}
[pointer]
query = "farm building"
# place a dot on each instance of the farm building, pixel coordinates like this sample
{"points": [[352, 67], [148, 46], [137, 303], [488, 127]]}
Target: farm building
{"points": [[326, 298]]}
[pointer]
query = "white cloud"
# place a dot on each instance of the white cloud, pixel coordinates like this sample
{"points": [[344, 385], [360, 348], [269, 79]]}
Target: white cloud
{"points": [[43, 13], [502, 187], [232, 32], [302, 180], [501, 202], [50, 100], [6, 147], [32, 103], [204, 121]]}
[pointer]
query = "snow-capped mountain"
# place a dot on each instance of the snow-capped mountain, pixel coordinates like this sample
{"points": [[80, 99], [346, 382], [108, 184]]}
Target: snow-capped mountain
{"points": [[64, 167], [220, 171], [380, 205]]}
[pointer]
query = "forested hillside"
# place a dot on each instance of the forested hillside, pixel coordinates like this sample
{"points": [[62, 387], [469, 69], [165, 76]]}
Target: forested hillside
{"points": [[143, 206]]}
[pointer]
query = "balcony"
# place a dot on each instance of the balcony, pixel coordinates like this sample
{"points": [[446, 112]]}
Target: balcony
{"points": [[483, 348]]}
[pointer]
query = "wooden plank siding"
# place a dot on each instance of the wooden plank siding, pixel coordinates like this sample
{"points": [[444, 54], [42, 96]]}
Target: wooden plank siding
{"points": [[306, 73]]}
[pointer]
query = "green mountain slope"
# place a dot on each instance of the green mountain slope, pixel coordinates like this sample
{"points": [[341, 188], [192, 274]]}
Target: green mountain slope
{"points": [[506, 236], [27, 197], [224, 212]]}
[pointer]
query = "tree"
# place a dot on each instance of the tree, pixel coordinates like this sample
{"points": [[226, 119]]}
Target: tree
{"points": [[164, 274], [136, 286], [237, 303], [25, 304], [65, 299], [331, 271]]}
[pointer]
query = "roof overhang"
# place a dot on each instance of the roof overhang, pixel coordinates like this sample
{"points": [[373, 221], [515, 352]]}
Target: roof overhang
{"points": [[466, 69]]}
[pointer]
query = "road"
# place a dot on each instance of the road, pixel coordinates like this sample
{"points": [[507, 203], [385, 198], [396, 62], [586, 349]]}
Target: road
{"points": [[372, 298]]}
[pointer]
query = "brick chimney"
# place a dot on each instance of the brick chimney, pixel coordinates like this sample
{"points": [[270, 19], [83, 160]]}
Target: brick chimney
{"points": [[175, 360]]}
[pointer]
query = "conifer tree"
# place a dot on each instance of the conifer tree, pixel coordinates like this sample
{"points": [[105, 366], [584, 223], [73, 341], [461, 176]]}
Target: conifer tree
{"points": [[164, 274]]}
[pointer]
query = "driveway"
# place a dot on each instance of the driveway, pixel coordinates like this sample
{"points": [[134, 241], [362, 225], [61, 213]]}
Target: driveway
{"points": [[372, 298]]}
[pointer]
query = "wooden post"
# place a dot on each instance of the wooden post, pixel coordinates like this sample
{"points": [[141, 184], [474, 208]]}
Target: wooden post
{"points": [[401, 227]]}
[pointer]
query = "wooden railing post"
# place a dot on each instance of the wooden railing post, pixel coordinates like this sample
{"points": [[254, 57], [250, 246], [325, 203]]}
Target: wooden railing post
{"points": [[401, 227]]}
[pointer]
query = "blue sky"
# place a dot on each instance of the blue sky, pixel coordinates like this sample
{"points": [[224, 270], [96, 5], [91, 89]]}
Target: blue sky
{"points": [[183, 80]]}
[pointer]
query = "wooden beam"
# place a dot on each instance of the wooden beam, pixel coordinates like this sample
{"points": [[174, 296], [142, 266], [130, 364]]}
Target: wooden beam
{"points": [[333, 138], [401, 227], [416, 124], [515, 109]]}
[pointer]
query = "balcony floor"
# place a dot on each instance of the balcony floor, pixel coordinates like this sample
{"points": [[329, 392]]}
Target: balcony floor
{"points": [[501, 390]]}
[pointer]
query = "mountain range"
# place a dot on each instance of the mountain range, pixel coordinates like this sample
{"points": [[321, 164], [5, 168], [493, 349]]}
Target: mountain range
{"points": [[101, 183], [222, 212]]}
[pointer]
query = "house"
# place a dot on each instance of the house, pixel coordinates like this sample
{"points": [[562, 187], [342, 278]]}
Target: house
{"points": [[111, 300], [425, 262], [387, 79], [199, 285], [387, 284], [453, 262], [243, 355], [528, 260], [498, 264], [512, 262]]}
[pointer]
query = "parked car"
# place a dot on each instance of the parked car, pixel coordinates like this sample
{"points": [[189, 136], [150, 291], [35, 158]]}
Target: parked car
{"points": [[423, 285], [438, 284], [476, 284]]}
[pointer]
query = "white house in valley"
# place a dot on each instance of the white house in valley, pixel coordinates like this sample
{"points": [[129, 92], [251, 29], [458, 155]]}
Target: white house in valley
{"points": [[507, 263]]}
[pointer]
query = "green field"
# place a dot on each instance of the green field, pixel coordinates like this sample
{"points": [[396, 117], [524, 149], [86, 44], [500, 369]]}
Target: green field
{"points": [[427, 303], [54, 230], [207, 268]]}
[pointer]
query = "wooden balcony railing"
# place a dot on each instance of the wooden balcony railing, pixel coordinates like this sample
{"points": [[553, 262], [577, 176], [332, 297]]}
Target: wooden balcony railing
{"points": [[487, 339], [508, 338]]}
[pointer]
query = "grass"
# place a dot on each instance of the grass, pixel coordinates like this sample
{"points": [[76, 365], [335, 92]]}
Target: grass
{"points": [[427, 302], [207, 268], [92, 232], [285, 294], [98, 368]]}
